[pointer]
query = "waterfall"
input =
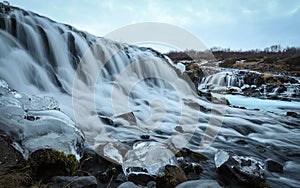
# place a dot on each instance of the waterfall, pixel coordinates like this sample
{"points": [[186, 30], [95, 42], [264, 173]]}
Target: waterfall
{"points": [[95, 79], [221, 81]]}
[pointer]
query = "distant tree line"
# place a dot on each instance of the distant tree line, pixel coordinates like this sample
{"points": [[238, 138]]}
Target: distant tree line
{"points": [[272, 52]]}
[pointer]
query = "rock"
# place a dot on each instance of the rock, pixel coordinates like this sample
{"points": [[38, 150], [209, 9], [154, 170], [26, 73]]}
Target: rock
{"points": [[46, 163], [191, 169], [179, 129], [74, 181], [151, 184], [202, 183], [105, 171], [140, 179], [9, 156], [145, 137], [31, 118], [130, 117], [94, 163], [195, 73], [190, 155], [13, 169], [128, 185], [189, 162], [172, 176], [120, 178], [292, 114], [108, 174], [239, 170], [273, 166]]}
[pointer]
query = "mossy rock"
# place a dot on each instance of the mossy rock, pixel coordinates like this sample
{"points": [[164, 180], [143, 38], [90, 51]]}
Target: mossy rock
{"points": [[46, 163], [173, 176], [190, 155]]}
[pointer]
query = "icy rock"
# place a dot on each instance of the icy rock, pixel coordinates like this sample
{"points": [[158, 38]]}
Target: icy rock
{"points": [[147, 158], [35, 124], [239, 169], [112, 153]]}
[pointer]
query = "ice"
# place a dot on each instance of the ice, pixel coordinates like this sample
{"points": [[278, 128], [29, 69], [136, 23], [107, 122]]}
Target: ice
{"points": [[221, 157], [149, 156], [276, 106], [33, 124]]}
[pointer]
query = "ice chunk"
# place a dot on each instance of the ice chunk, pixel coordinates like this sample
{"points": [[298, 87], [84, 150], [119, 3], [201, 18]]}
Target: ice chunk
{"points": [[148, 157], [220, 158]]}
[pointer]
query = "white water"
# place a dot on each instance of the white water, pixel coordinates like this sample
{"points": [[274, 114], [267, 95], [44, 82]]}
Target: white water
{"points": [[92, 77]]}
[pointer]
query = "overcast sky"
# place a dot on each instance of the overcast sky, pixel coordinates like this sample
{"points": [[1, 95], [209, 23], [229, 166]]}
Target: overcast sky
{"points": [[236, 24]]}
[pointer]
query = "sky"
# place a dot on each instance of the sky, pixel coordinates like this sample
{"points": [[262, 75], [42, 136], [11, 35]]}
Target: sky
{"points": [[235, 24]]}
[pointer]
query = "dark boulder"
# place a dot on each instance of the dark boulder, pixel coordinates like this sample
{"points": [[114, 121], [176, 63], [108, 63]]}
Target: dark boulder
{"points": [[140, 178], [273, 166], [292, 114], [239, 170]]}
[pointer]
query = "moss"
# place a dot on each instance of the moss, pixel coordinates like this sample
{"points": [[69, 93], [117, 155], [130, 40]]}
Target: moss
{"points": [[46, 163], [179, 154], [264, 185], [173, 176]]}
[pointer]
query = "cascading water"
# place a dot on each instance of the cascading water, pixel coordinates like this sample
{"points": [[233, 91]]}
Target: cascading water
{"points": [[116, 93], [101, 78]]}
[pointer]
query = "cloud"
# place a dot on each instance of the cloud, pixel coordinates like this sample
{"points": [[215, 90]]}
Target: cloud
{"points": [[230, 23]]}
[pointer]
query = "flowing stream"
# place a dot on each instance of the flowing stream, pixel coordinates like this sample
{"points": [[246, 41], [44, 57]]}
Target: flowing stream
{"points": [[72, 86]]}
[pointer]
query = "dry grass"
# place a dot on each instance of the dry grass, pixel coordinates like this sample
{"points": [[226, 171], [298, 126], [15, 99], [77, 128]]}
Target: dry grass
{"points": [[14, 179]]}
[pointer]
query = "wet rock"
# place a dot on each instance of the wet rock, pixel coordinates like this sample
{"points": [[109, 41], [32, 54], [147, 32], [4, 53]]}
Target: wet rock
{"points": [[130, 117], [140, 179], [202, 183], [106, 120], [172, 176], [191, 156], [189, 161], [31, 118], [292, 114], [46, 163], [120, 178], [192, 170], [273, 166], [151, 184], [145, 137], [239, 170], [108, 174], [128, 185], [74, 181], [179, 129], [9, 156]]}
